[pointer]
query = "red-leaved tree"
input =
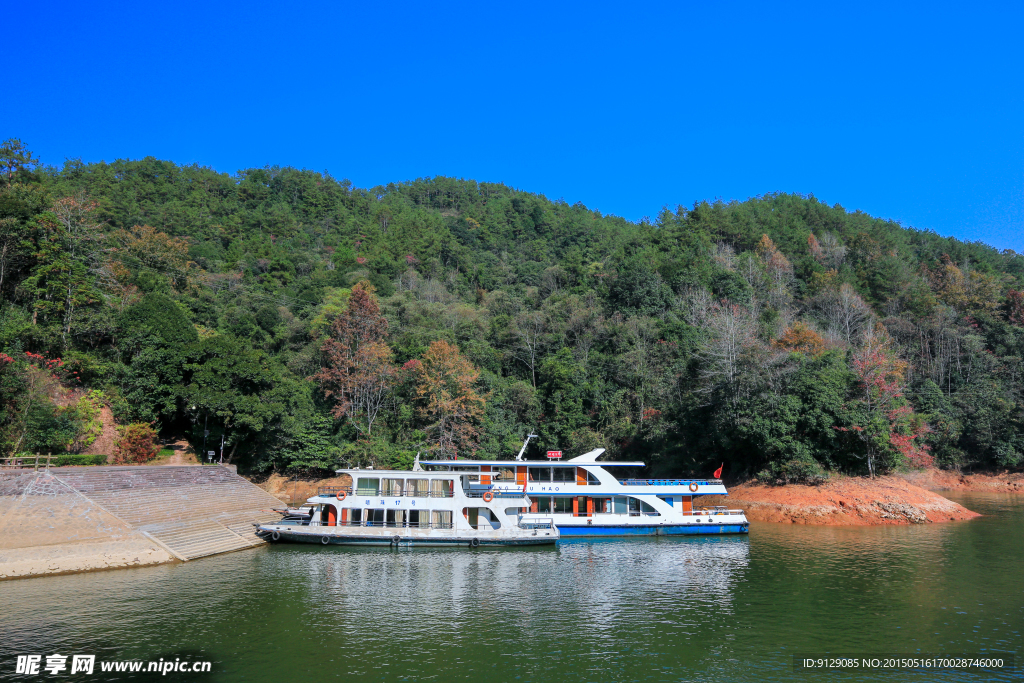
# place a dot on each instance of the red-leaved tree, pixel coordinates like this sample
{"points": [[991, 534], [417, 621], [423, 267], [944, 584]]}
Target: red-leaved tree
{"points": [[359, 373], [882, 418], [136, 444]]}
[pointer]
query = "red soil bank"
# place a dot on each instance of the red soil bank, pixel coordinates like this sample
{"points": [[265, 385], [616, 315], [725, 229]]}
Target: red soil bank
{"points": [[945, 480], [842, 501]]}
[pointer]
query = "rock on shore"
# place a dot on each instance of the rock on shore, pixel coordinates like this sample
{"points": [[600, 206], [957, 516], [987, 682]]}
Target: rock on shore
{"points": [[843, 501]]}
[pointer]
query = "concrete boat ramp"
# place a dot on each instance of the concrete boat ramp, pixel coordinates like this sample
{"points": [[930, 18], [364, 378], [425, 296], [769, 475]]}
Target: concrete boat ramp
{"points": [[72, 519]]}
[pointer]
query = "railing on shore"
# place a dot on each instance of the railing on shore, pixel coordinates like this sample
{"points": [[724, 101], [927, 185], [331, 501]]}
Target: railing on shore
{"points": [[669, 482], [25, 461]]}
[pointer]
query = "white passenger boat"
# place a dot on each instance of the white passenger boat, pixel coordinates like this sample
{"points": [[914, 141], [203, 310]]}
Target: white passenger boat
{"points": [[407, 508], [584, 499]]}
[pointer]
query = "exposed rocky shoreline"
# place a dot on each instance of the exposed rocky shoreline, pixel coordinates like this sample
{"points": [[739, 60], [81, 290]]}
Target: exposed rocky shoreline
{"points": [[947, 480], [843, 501]]}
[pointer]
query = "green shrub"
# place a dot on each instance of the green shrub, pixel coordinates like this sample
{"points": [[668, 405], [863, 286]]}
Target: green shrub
{"points": [[75, 460]]}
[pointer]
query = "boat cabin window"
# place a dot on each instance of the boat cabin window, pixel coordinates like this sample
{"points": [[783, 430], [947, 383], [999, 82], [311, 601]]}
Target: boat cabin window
{"points": [[417, 487], [619, 506], [355, 516], [563, 474], [441, 488], [563, 505], [367, 487], [441, 519], [419, 518], [375, 517], [592, 479], [544, 505], [394, 518], [481, 518], [540, 474], [391, 487], [504, 474], [637, 507]]}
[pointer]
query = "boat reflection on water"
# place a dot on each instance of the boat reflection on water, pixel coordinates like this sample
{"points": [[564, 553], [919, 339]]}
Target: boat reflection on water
{"points": [[603, 580]]}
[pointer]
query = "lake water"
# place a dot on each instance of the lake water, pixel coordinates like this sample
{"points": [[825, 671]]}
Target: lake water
{"points": [[657, 609]]}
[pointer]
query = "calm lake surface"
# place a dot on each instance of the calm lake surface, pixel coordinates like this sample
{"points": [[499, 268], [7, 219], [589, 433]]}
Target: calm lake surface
{"points": [[658, 609]]}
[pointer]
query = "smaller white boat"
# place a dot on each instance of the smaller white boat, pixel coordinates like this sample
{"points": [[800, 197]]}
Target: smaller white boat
{"points": [[410, 508]]}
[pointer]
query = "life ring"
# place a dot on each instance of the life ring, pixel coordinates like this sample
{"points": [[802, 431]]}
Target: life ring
{"points": [[693, 487], [396, 539], [325, 539], [341, 495], [488, 496], [474, 543], [275, 536]]}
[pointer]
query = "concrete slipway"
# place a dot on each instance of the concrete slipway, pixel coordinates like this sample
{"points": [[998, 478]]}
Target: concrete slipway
{"points": [[72, 519]]}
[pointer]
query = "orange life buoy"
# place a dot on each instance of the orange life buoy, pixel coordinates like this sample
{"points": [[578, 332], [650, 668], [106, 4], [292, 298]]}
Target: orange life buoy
{"points": [[488, 497], [341, 495], [693, 487]]}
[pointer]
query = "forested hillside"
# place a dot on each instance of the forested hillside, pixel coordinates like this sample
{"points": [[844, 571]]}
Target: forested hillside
{"points": [[313, 324]]}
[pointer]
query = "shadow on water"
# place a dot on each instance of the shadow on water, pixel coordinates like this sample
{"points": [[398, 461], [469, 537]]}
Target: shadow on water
{"points": [[658, 609]]}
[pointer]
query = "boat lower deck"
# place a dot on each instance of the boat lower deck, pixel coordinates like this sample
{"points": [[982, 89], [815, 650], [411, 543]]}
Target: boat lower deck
{"points": [[569, 531], [324, 537]]}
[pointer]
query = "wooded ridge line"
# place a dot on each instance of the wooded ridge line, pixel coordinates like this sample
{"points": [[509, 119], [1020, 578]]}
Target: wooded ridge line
{"points": [[306, 324]]}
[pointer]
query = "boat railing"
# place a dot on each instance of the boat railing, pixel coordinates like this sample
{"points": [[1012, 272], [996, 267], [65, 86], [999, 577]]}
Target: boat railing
{"points": [[669, 482], [542, 523], [497, 493], [708, 511], [390, 525], [375, 492]]}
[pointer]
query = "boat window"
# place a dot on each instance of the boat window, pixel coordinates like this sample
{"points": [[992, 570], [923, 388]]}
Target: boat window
{"points": [[391, 487], [619, 505], [417, 487], [395, 518], [419, 518], [367, 487], [637, 506], [540, 474], [375, 517], [563, 505], [603, 505], [441, 519], [544, 505], [592, 479], [356, 516], [441, 488], [505, 474], [564, 473]]}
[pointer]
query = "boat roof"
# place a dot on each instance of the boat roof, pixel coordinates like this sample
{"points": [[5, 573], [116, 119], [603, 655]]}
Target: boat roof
{"points": [[531, 463], [589, 458]]}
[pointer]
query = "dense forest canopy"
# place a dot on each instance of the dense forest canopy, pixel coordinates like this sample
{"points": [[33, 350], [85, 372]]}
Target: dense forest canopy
{"points": [[312, 324]]}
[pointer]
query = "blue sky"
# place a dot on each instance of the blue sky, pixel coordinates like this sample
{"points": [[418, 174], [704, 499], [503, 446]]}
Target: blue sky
{"points": [[909, 112]]}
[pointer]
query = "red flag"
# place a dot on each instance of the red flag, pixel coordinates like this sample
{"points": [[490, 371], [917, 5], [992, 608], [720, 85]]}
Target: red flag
{"points": [[718, 472]]}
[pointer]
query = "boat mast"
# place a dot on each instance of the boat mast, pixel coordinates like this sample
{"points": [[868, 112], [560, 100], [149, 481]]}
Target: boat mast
{"points": [[523, 449]]}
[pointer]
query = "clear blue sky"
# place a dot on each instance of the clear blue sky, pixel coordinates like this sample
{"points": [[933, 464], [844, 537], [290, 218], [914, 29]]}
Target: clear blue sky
{"points": [[914, 113]]}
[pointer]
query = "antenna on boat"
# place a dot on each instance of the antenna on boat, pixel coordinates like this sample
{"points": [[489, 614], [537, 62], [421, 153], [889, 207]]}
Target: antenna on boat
{"points": [[523, 449], [416, 464]]}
